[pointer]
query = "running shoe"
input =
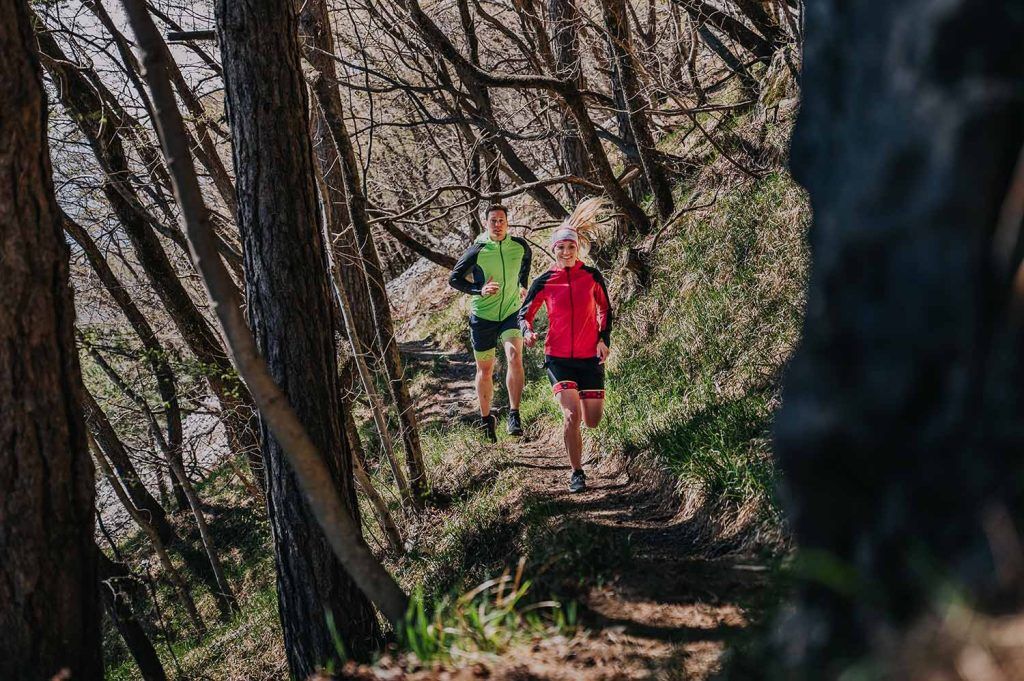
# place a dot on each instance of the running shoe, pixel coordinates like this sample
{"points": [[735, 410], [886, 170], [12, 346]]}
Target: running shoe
{"points": [[515, 424], [578, 481], [487, 424]]}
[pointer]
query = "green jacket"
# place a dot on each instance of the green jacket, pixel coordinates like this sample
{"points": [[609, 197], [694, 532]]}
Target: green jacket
{"points": [[506, 262]]}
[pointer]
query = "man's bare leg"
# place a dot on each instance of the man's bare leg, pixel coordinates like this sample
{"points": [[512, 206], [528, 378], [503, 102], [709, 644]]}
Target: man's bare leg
{"points": [[484, 384], [514, 376]]}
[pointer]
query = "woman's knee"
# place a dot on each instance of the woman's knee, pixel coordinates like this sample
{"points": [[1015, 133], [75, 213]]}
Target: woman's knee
{"points": [[572, 417]]}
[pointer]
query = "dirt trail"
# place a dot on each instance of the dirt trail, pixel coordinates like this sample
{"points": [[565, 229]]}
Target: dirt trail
{"points": [[662, 614]]}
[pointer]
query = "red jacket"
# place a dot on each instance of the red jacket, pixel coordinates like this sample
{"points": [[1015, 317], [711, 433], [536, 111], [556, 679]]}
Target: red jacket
{"points": [[578, 310]]}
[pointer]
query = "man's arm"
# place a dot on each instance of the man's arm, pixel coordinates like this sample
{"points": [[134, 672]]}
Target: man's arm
{"points": [[524, 268], [463, 267]]}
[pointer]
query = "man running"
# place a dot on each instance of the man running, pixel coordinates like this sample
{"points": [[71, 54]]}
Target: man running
{"points": [[495, 270]]}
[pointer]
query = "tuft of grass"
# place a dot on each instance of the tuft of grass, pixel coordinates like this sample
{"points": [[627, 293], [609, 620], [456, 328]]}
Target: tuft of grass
{"points": [[486, 620]]}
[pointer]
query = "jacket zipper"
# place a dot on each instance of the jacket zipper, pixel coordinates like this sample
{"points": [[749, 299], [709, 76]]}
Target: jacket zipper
{"points": [[501, 305], [572, 316]]}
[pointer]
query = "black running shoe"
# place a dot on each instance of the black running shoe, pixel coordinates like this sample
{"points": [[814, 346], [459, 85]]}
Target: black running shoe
{"points": [[515, 424], [578, 481], [487, 423]]}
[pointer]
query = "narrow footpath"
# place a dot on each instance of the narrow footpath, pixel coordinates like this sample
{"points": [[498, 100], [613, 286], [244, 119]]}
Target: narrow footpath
{"points": [[662, 612]]}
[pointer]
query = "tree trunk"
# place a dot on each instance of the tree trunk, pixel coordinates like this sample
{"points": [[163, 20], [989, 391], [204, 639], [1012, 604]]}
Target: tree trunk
{"points": [[220, 589], [139, 497], [381, 324], [49, 605], [704, 13], [900, 433], [628, 95], [172, 573], [289, 307], [564, 19], [114, 578]]}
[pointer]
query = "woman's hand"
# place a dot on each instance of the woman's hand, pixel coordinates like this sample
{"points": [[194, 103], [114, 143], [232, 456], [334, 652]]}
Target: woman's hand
{"points": [[529, 338], [602, 352]]}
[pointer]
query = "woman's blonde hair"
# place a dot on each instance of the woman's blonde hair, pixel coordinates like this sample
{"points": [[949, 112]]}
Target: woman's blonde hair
{"points": [[585, 223]]}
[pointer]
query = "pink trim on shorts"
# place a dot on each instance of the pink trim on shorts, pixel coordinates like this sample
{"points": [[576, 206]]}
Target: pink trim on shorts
{"points": [[591, 394], [564, 385]]}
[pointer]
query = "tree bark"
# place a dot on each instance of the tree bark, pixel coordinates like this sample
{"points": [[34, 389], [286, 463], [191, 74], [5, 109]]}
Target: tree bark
{"points": [[900, 433], [290, 314], [114, 578], [381, 325], [564, 19], [49, 605]]}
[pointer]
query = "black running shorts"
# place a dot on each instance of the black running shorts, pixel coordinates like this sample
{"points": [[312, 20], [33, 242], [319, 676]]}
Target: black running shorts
{"points": [[584, 375], [485, 334]]}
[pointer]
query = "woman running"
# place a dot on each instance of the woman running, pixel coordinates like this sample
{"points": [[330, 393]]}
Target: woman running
{"points": [[579, 329]]}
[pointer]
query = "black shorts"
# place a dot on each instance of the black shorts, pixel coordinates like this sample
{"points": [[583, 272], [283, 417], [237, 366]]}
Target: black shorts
{"points": [[485, 334], [584, 375]]}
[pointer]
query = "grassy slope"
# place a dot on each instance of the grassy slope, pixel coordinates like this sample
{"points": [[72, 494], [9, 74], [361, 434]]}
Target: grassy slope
{"points": [[697, 357]]}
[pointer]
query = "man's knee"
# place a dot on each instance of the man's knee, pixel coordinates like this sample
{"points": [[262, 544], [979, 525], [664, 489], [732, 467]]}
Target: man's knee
{"points": [[484, 369], [591, 420]]}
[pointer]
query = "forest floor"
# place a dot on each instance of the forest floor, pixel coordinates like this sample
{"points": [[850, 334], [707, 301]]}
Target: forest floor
{"points": [[648, 607]]}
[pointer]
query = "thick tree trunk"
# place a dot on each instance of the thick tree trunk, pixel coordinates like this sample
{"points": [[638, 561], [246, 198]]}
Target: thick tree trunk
{"points": [[114, 580], [49, 604], [628, 94], [290, 316], [100, 129], [900, 434], [564, 19]]}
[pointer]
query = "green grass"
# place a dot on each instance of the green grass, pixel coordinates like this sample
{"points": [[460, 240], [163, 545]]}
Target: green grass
{"points": [[696, 358], [488, 619]]}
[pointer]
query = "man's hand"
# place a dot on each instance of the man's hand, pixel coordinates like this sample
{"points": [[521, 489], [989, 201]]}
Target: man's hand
{"points": [[529, 338], [602, 352], [490, 288]]}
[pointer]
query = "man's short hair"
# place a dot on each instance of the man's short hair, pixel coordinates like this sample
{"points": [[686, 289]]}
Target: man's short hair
{"points": [[493, 207]]}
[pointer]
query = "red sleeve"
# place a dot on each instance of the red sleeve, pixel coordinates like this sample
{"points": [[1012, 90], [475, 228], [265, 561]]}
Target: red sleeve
{"points": [[531, 305], [604, 309]]}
